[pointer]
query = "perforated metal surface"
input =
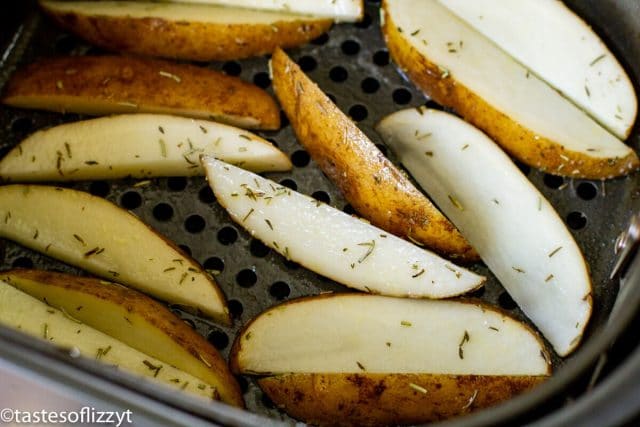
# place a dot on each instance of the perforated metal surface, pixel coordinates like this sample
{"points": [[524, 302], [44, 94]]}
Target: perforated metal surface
{"points": [[352, 65]]}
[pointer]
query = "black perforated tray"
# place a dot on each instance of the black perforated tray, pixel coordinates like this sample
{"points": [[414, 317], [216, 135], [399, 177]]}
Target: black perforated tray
{"points": [[352, 65]]}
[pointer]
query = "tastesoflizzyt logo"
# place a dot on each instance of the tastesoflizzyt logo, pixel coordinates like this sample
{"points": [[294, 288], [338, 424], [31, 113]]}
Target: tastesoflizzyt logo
{"points": [[86, 415]]}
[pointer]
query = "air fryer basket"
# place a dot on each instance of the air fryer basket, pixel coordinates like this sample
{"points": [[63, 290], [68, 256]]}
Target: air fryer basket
{"points": [[351, 64]]}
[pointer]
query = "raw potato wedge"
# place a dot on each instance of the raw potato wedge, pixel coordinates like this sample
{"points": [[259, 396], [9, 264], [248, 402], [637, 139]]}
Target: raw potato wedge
{"points": [[375, 188], [462, 69], [135, 145], [99, 85], [339, 10], [590, 76], [357, 359], [134, 319], [517, 232], [332, 243], [98, 236], [185, 31]]}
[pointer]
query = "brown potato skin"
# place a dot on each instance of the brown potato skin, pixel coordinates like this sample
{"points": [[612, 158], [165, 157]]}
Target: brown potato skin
{"points": [[121, 84], [369, 181], [196, 41], [367, 399], [518, 141], [153, 312]]}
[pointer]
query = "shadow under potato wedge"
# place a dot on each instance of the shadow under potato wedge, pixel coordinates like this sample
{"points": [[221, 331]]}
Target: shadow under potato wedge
{"points": [[131, 318], [375, 188], [100, 85], [184, 31]]}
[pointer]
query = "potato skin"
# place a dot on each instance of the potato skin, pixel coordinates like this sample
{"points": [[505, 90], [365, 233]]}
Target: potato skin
{"points": [[518, 141], [367, 399], [196, 41], [368, 180], [136, 303], [120, 84]]}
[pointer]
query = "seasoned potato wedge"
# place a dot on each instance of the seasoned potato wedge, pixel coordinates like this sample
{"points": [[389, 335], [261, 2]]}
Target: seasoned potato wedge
{"points": [[516, 230], [185, 31], [339, 10], [131, 318], [135, 145], [460, 68], [590, 75], [332, 243], [357, 359], [100, 85], [98, 236], [369, 181]]}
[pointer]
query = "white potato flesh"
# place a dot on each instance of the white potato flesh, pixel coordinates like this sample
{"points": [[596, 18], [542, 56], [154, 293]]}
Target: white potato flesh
{"points": [[33, 317], [332, 243], [174, 12], [513, 227], [340, 10], [348, 333], [549, 39], [136, 145], [478, 64], [98, 236]]}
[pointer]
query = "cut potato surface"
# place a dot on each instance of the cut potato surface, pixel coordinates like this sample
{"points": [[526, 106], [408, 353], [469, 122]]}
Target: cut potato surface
{"points": [[362, 359], [517, 232], [566, 53], [186, 31], [332, 243], [98, 236], [135, 145], [339, 10], [33, 317], [99, 85], [135, 320], [460, 68], [375, 188]]}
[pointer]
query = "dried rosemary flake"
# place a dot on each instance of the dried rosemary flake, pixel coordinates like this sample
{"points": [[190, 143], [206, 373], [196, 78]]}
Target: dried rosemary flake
{"points": [[416, 32], [406, 323], [360, 365], [269, 223], [493, 328], [418, 274], [166, 270], [417, 388], [91, 163], [455, 202], [549, 277], [598, 59], [248, 215], [182, 279], [456, 272], [170, 76], [45, 331], [371, 246], [465, 339], [163, 147], [555, 251], [428, 153], [518, 269], [152, 367]]}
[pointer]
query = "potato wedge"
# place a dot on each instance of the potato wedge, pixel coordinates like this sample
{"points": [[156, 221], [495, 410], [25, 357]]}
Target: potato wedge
{"points": [[185, 31], [33, 317], [369, 181], [99, 85], [134, 319], [117, 326], [358, 359], [462, 69], [338, 10], [135, 145], [590, 76], [516, 230], [332, 243], [98, 236]]}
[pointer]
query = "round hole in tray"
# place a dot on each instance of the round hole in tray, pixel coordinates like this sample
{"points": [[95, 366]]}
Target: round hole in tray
{"points": [[22, 262], [381, 58], [258, 249], [320, 40], [177, 183], [587, 191], [262, 80], [284, 120], [553, 181], [478, 293], [365, 23], [370, 85], [99, 188], [206, 195], [219, 339], [195, 224], [348, 209], [131, 200], [576, 220], [227, 235], [163, 212], [358, 112], [279, 290], [232, 68], [401, 96], [246, 278], [235, 308], [186, 249], [289, 183], [291, 265], [322, 196], [267, 402], [433, 105], [525, 169], [300, 158], [21, 125], [350, 47], [307, 63], [505, 301], [331, 97], [338, 74], [214, 264]]}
